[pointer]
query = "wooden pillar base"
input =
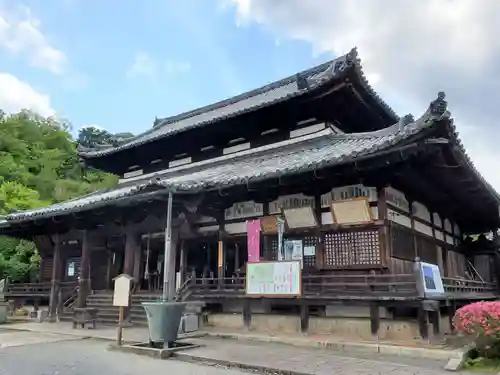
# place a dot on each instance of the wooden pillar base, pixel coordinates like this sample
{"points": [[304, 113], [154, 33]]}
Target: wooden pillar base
{"points": [[83, 292], [423, 322], [304, 318], [452, 309], [436, 321], [247, 313], [54, 301], [374, 319]]}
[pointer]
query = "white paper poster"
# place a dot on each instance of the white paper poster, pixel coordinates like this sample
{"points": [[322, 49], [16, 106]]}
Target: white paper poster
{"points": [[309, 251], [71, 269], [293, 251]]}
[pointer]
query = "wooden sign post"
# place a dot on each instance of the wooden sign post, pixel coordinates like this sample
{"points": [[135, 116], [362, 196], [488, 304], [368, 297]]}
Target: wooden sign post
{"points": [[121, 298]]}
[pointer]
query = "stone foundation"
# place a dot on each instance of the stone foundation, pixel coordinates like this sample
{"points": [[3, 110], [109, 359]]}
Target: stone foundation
{"points": [[346, 328]]}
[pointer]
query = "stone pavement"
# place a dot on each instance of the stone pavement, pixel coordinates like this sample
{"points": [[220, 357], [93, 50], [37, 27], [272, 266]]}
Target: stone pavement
{"points": [[85, 357], [294, 360], [20, 338], [131, 334]]}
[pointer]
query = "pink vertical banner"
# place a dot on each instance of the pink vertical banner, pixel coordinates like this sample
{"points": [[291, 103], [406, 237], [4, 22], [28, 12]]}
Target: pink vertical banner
{"points": [[253, 238]]}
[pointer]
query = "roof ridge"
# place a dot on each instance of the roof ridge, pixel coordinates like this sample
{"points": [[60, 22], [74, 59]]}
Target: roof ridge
{"points": [[305, 80], [244, 95], [160, 123]]}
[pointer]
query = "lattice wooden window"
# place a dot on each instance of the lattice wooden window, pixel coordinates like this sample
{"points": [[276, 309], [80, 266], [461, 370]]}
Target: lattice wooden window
{"points": [[352, 249], [274, 247], [402, 243]]}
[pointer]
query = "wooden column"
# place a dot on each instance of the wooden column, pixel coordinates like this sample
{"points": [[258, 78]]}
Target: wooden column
{"points": [[435, 317], [374, 319], [423, 322], [384, 231], [266, 243], [320, 248], [109, 271], [452, 309], [137, 264], [132, 244], [56, 278], [236, 257], [247, 313], [84, 279], [221, 258], [414, 233], [304, 317], [183, 261]]}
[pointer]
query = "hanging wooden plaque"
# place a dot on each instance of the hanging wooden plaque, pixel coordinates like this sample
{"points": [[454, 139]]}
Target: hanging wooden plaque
{"points": [[269, 224], [351, 211]]}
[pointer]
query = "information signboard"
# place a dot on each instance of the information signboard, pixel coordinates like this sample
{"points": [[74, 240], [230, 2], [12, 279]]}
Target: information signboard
{"points": [[274, 279], [431, 280]]}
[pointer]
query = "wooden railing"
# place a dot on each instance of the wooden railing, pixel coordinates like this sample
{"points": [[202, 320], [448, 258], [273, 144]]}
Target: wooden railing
{"points": [[462, 286], [37, 289], [344, 287], [317, 287], [359, 286]]}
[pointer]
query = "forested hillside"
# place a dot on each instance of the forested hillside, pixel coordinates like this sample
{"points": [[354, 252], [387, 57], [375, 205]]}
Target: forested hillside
{"points": [[38, 166]]}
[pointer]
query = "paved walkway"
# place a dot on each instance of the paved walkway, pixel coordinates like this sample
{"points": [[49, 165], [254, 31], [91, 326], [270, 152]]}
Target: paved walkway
{"points": [[86, 357], [132, 334], [20, 338], [233, 353], [305, 360]]}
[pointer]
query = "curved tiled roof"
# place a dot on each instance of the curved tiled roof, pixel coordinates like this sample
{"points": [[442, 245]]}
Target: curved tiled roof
{"points": [[267, 95], [326, 149]]}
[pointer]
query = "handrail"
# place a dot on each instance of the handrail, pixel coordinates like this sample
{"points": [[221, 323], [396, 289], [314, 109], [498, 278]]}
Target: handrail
{"points": [[325, 286], [179, 294], [71, 299]]}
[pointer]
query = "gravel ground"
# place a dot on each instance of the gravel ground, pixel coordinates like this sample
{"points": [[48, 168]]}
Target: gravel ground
{"points": [[90, 357]]}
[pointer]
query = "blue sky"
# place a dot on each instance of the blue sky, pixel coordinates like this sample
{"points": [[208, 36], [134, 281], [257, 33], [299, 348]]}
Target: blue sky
{"points": [[128, 64], [118, 64]]}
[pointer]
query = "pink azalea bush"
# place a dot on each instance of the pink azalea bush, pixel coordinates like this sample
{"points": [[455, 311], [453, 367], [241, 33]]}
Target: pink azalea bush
{"points": [[481, 322]]}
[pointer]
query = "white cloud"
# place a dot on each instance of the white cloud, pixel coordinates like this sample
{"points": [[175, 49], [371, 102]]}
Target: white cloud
{"points": [[21, 34], [143, 66], [16, 95], [411, 49], [146, 66], [172, 67]]}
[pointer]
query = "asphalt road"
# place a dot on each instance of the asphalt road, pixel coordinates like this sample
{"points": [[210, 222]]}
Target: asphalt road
{"points": [[25, 353]]}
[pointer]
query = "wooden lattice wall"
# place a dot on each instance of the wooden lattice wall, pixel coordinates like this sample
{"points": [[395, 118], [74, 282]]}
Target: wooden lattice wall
{"points": [[352, 248]]}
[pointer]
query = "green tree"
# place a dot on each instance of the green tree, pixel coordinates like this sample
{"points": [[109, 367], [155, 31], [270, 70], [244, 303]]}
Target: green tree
{"points": [[39, 165]]}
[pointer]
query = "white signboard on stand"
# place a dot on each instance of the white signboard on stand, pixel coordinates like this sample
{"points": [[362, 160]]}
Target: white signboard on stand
{"points": [[122, 290]]}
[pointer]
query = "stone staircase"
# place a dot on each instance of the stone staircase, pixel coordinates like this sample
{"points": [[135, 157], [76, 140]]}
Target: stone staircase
{"points": [[107, 314]]}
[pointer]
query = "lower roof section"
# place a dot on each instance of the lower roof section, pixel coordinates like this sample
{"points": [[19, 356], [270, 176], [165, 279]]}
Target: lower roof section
{"points": [[326, 149]]}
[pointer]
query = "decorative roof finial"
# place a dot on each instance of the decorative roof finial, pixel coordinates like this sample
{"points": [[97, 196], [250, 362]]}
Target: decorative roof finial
{"points": [[302, 82], [156, 122], [352, 56], [405, 121], [439, 106]]}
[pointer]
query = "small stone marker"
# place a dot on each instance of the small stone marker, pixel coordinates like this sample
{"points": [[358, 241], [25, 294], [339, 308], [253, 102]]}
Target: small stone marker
{"points": [[457, 361]]}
